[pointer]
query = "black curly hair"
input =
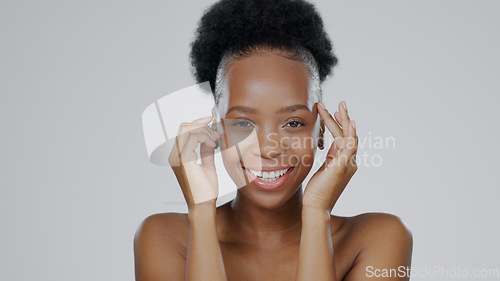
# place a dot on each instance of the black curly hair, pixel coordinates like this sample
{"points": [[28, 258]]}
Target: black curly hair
{"points": [[238, 26]]}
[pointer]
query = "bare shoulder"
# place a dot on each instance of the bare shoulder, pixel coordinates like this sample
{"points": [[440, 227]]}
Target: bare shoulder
{"points": [[164, 221], [163, 226], [380, 240], [378, 225], [159, 247], [357, 232]]}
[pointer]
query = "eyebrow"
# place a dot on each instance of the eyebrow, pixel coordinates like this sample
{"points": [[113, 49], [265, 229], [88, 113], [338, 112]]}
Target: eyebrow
{"points": [[250, 110]]}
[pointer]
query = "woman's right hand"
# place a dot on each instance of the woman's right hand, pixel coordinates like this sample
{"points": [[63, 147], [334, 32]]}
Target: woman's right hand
{"points": [[198, 182]]}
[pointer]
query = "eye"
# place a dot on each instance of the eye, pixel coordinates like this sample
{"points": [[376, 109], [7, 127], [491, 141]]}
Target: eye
{"points": [[242, 123], [295, 124]]}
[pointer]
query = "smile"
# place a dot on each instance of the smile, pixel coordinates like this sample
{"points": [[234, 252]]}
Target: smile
{"points": [[268, 180], [270, 175]]}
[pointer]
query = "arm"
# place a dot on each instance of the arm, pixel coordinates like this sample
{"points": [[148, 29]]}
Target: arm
{"points": [[159, 254], [316, 254], [204, 256]]}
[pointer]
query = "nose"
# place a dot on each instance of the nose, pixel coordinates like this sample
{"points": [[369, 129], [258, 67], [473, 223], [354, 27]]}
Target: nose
{"points": [[269, 143]]}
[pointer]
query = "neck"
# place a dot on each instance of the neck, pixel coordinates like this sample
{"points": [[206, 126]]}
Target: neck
{"points": [[266, 228]]}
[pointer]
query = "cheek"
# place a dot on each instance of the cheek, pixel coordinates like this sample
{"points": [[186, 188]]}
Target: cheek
{"points": [[232, 164], [235, 150], [301, 149]]}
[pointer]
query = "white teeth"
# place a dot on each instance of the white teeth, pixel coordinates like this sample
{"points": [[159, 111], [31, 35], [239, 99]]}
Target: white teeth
{"points": [[269, 176]]}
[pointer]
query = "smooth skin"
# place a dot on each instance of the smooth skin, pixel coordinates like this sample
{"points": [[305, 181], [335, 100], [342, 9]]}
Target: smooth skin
{"points": [[282, 234]]}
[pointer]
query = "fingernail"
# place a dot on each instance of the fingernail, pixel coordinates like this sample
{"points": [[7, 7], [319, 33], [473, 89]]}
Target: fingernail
{"points": [[354, 124], [320, 104], [345, 105]]}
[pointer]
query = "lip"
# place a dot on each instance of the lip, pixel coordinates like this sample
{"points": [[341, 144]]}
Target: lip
{"points": [[268, 185]]}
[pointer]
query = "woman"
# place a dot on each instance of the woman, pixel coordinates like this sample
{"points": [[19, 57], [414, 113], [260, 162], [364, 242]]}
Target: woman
{"points": [[265, 61]]}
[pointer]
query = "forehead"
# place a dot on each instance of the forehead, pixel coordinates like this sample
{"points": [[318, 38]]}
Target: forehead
{"points": [[267, 76]]}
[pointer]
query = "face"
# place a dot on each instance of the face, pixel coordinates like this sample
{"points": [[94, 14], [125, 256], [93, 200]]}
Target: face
{"points": [[268, 128]]}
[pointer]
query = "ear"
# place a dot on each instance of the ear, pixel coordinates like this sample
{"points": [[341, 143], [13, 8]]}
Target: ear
{"points": [[321, 143]]}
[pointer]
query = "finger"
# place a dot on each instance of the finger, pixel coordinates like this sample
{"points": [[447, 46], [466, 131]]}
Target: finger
{"points": [[349, 151], [216, 135], [207, 130], [354, 161], [340, 143], [346, 123], [356, 141], [338, 118], [351, 137], [204, 120], [211, 131], [207, 155], [335, 160], [351, 148], [332, 152], [344, 116], [188, 154], [196, 129], [186, 126], [349, 131], [330, 123]]}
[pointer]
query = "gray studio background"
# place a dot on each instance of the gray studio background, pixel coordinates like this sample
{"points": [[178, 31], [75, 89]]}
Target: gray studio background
{"points": [[75, 77]]}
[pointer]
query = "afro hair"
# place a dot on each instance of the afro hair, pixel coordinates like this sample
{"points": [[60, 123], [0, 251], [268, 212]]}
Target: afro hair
{"points": [[238, 26]]}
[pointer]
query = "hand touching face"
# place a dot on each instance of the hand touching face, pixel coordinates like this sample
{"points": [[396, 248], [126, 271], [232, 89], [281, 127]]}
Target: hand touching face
{"points": [[325, 187]]}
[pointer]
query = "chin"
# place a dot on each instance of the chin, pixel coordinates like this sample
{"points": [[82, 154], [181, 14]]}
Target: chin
{"points": [[268, 200]]}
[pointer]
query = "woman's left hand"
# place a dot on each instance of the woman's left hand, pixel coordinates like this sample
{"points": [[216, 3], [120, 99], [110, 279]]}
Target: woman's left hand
{"points": [[328, 183]]}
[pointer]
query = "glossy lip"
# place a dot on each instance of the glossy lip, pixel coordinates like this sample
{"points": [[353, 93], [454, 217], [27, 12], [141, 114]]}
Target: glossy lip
{"points": [[266, 185]]}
